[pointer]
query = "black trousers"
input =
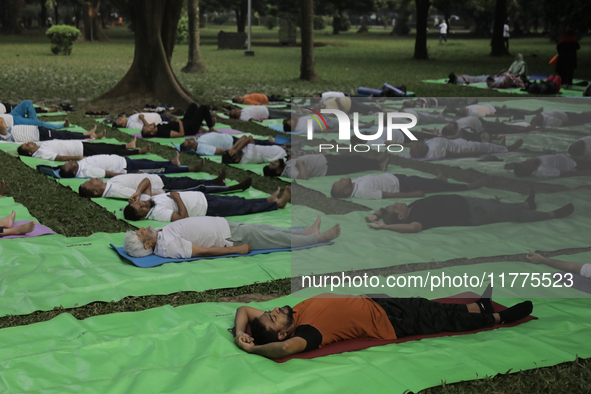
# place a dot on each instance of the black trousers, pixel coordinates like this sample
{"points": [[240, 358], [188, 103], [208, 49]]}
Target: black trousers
{"points": [[153, 167], [349, 164], [186, 184], [419, 316], [501, 128], [275, 113], [363, 109], [256, 142], [576, 119], [413, 183], [194, 117], [234, 205], [46, 134], [101, 148]]}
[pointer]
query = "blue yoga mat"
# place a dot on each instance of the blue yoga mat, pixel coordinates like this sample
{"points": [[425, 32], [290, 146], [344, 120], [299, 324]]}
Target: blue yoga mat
{"points": [[153, 260], [49, 171]]}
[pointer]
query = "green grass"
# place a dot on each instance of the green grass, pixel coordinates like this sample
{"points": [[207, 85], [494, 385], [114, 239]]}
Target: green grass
{"points": [[29, 71]]}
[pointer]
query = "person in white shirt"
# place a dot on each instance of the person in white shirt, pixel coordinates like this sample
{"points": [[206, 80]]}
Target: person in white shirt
{"points": [[560, 119], [440, 148], [443, 31], [377, 187], [316, 165], [246, 152], [9, 132], [464, 79], [6, 108], [506, 35], [258, 112], [476, 129], [211, 236], [174, 206], [484, 110], [551, 166], [216, 143], [25, 114], [575, 268], [581, 148], [135, 122], [108, 166], [65, 150], [132, 186]]}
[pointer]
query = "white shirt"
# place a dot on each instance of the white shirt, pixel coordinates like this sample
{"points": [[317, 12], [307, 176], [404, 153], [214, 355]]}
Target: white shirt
{"points": [[437, 148], [124, 186], [554, 118], [97, 166], [176, 239], [257, 154], [481, 110], [165, 207], [134, 121], [2, 109], [327, 95], [315, 165], [256, 112], [21, 134], [440, 147], [506, 31], [443, 28], [372, 187], [587, 152], [552, 165], [49, 150], [470, 123], [207, 143]]}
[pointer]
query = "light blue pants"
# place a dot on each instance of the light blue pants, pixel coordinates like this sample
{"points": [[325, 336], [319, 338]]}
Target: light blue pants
{"points": [[24, 114]]}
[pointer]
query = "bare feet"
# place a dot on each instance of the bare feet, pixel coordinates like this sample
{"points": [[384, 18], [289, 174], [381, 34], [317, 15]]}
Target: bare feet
{"points": [[383, 160], [100, 135], [42, 106], [563, 212], [92, 132], [245, 184], [8, 221], [221, 179], [176, 161], [314, 228], [131, 145], [272, 140], [195, 167], [535, 258], [273, 197], [20, 230], [441, 176], [333, 233], [285, 197], [67, 123], [515, 146], [145, 149]]}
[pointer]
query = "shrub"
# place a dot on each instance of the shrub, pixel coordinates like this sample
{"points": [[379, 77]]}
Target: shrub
{"points": [[220, 19], [345, 24], [270, 22], [182, 31], [319, 22], [62, 38]]}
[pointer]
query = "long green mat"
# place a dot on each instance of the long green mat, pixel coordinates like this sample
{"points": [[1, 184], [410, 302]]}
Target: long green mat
{"points": [[565, 92], [248, 105], [177, 349]]}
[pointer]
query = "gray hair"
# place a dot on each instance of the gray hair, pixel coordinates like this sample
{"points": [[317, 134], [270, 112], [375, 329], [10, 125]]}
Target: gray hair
{"points": [[134, 247]]}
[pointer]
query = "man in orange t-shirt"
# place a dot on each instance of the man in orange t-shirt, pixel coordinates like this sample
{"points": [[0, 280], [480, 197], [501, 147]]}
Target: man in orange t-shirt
{"points": [[329, 318], [251, 99]]}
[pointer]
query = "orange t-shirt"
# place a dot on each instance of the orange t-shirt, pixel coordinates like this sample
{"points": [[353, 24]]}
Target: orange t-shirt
{"points": [[255, 99], [339, 319]]}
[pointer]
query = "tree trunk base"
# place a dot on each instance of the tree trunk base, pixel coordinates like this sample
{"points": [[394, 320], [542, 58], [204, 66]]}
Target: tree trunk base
{"points": [[313, 78], [363, 30], [194, 68]]}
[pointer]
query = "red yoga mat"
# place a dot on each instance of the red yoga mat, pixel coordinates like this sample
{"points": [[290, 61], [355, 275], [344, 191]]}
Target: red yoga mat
{"points": [[359, 344]]}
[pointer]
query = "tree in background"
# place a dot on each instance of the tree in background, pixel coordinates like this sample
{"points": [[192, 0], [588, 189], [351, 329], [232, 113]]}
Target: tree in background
{"points": [[559, 16], [307, 72], [92, 23], [194, 63], [497, 44], [9, 16], [150, 75], [421, 37]]}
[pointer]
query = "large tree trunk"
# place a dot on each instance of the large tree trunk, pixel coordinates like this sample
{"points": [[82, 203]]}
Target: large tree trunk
{"points": [[336, 23], [151, 75], [241, 15], [364, 23], [92, 24], [421, 38], [194, 63], [9, 13], [307, 66], [77, 8], [43, 14], [497, 44], [56, 13]]}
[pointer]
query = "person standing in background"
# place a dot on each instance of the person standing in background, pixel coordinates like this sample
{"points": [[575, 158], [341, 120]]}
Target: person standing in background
{"points": [[567, 56]]}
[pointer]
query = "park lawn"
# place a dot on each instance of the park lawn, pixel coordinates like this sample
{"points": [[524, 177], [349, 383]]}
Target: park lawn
{"points": [[346, 62], [30, 71]]}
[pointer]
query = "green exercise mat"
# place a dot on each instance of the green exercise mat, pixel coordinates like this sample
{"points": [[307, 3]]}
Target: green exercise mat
{"points": [[248, 105], [177, 349], [564, 92]]}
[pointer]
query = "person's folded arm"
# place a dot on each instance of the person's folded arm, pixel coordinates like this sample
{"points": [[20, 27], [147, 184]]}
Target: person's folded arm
{"points": [[182, 213], [198, 251], [303, 172], [145, 186], [143, 119], [281, 349], [109, 174]]}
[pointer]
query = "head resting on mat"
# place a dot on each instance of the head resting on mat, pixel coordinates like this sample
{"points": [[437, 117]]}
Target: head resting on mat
{"points": [[140, 243], [228, 159], [149, 131], [274, 168], [396, 213], [121, 121], [27, 149], [94, 187], [526, 168], [235, 113], [342, 188], [418, 149], [138, 210], [189, 144], [449, 129], [577, 148], [69, 170], [289, 124], [238, 99], [490, 81], [452, 78], [463, 111], [273, 326]]}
